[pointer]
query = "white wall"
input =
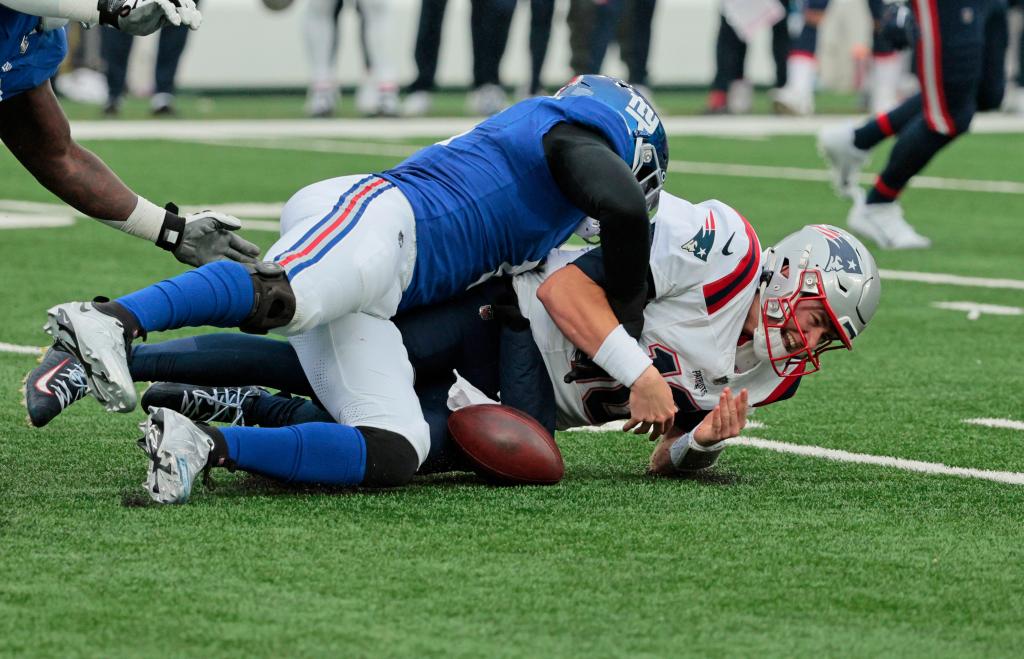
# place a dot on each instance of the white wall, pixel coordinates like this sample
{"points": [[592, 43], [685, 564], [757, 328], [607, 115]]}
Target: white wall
{"points": [[243, 44]]}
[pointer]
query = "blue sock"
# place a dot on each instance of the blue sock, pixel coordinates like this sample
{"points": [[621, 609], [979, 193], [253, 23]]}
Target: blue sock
{"points": [[328, 453], [219, 294]]}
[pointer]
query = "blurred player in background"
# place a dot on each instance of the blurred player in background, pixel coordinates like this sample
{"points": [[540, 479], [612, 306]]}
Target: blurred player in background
{"points": [[796, 97], [961, 51], [117, 48], [355, 250], [730, 91], [722, 317], [595, 24], [378, 94], [35, 129]]}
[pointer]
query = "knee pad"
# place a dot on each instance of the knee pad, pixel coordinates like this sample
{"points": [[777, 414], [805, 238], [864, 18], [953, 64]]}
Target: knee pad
{"points": [[391, 459], [274, 304]]}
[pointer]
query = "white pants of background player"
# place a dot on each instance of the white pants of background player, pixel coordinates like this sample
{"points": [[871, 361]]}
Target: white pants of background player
{"points": [[320, 29], [349, 247]]}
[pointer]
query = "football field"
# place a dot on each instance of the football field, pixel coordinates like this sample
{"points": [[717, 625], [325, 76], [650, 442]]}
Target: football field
{"points": [[872, 514]]}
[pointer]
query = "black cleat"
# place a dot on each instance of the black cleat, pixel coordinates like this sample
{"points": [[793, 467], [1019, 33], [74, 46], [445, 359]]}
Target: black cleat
{"points": [[58, 381], [202, 404]]}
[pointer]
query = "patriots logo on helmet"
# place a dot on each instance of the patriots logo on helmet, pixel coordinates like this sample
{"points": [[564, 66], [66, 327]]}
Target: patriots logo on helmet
{"points": [[841, 254], [700, 245]]}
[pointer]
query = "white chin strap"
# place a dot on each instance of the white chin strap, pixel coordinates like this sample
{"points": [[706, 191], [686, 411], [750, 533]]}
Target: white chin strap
{"points": [[761, 344]]}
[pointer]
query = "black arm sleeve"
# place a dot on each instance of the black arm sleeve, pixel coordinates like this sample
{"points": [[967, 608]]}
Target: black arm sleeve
{"points": [[592, 265], [598, 182]]}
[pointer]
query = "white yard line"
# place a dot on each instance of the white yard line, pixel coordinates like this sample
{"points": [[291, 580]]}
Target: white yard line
{"points": [[35, 221], [20, 350], [937, 468], [1009, 424], [953, 280], [823, 175], [976, 309], [439, 127]]}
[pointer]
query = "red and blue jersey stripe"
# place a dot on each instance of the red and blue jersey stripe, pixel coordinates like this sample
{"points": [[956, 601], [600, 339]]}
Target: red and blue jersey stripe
{"points": [[718, 293], [334, 226]]}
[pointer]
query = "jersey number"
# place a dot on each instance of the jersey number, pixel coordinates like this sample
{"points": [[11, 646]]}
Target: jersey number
{"points": [[644, 114], [604, 404]]}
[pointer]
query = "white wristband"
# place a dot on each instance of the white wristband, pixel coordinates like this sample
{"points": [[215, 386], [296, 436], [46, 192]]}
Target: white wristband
{"points": [[145, 221], [622, 357], [688, 445]]}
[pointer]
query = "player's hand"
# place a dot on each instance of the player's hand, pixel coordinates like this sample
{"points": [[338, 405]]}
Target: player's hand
{"points": [[209, 236], [651, 407], [727, 419], [142, 17]]}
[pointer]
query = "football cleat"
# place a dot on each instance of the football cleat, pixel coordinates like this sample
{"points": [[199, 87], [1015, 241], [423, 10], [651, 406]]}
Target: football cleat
{"points": [[322, 100], [202, 404], [178, 451], [97, 340], [793, 103], [884, 223], [417, 104], [58, 381], [835, 144]]}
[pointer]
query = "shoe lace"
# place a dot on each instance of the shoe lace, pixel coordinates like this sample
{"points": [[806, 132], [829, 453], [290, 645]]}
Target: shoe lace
{"points": [[71, 386], [223, 405]]}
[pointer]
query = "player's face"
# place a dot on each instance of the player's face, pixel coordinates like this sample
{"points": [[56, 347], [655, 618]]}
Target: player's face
{"points": [[812, 320]]}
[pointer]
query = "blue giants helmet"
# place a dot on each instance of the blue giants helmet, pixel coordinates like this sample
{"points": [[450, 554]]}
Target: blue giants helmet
{"points": [[650, 154]]}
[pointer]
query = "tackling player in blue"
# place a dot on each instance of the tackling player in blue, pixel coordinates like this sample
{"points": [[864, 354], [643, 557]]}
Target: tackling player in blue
{"points": [[35, 129], [355, 250]]}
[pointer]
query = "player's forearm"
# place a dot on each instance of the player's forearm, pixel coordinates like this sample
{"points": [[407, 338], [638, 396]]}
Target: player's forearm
{"points": [[85, 11], [84, 182], [579, 308]]}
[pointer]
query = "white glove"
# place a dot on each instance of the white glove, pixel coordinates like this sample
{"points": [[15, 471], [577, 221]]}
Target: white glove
{"points": [[209, 236], [142, 17]]}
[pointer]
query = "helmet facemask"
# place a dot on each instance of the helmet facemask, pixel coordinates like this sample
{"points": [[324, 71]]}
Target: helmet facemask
{"points": [[649, 173], [780, 313]]}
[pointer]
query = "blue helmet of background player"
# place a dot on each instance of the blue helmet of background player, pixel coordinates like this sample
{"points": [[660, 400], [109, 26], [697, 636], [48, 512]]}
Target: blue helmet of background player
{"points": [[650, 155]]}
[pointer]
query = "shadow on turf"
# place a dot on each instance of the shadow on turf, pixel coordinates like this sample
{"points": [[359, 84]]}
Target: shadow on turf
{"points": [[253, 485]]}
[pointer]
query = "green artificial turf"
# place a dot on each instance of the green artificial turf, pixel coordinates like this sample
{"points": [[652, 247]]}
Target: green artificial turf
{"points": [[768, 555]]}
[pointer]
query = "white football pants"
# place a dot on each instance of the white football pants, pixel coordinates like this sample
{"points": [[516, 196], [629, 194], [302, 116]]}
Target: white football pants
{"points": [[349, 247], [320, 32]]}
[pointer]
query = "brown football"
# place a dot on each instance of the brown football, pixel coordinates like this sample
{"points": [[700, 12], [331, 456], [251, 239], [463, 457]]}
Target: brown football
{"points": [[507, 446]]}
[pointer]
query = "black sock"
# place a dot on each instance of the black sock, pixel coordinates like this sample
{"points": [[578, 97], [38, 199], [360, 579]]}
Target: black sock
{"points": [[219, 454], [132, 327], [884, 125]]}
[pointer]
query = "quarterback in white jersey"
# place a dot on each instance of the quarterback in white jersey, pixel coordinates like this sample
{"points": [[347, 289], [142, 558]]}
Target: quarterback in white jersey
{"points": [[706, 266], [724, 316]]}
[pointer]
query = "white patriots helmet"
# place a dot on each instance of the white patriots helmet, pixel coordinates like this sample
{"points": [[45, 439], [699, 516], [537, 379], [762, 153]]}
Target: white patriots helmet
{"points": [[818, 262]]}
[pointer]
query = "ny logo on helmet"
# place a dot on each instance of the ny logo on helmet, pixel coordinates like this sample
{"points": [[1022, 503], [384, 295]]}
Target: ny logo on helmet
{"points": [[647, 120], [841, 254]]}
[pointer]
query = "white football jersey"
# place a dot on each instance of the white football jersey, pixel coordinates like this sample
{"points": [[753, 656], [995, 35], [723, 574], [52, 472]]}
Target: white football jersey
{"points": [[706, 265]]}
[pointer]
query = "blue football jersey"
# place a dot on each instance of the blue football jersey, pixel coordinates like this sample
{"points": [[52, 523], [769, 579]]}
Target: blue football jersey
{"points": [[485, 201], [28, 57]]}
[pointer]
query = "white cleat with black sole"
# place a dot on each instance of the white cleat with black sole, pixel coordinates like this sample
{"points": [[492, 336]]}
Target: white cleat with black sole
{"points": [[178, 451], [98, 341]]}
